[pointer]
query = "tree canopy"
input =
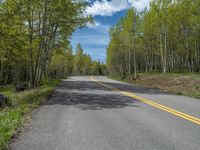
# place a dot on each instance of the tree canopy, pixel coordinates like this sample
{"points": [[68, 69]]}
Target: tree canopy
{"points": [[163, 38], [34, 39]]}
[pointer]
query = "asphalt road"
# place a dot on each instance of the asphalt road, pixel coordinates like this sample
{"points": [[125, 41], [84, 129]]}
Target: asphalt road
{"points": [[86, 115]]}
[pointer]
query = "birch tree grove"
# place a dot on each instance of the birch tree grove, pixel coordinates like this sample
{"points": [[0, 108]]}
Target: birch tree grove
{"points": [[163, 38], [32, 31]]}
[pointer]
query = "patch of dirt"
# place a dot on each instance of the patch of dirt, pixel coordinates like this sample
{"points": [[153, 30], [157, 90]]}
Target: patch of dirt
{"points": [[178, 85]]}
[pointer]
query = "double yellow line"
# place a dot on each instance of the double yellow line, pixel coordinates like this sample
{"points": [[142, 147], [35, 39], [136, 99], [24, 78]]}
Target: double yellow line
{"points": [[149, 102]]}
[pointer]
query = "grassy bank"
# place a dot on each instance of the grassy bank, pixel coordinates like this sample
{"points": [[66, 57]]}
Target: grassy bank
{"points": [[21, 105], [181, 84]]}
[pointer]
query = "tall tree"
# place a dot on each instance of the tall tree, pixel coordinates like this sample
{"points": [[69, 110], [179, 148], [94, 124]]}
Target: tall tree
{"points": [[163, 38]]}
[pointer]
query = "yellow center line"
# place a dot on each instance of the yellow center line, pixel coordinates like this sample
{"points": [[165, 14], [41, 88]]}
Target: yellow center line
{"points": [[154, 104]]}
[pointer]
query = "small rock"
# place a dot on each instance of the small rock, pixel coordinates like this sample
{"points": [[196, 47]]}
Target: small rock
{"points": [[21, 87], [3, 100]]}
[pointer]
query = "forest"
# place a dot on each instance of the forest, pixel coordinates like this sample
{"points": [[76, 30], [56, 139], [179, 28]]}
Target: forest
{"points": [[35, 41], [158, 48], [164, 38]]}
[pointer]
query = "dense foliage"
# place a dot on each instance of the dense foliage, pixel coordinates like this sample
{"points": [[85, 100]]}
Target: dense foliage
{"points": [[65, 63], [163, 38], [34, 40]]}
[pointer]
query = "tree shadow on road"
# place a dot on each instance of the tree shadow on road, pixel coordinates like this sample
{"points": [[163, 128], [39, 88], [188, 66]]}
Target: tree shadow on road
{"points": [[81, 85], [88, 95], [86, 85], [88, 101]]}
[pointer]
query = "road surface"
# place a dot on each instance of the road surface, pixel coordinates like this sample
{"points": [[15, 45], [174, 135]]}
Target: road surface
{"points": [[97, 113]]}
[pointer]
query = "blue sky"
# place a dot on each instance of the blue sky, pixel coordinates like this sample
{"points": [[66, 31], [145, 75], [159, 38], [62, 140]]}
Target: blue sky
{"points": [[95, 37]]}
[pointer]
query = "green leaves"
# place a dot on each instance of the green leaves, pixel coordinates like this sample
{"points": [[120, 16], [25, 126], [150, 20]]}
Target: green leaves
{"points": [[163, 38], [32, 32]]}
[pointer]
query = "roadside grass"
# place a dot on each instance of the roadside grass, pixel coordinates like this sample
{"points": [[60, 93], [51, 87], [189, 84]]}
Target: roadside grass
{"points": [[14, 116], [179, 83]]}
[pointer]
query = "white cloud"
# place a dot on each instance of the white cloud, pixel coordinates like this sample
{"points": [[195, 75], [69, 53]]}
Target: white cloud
{"points": [[139, 4], [99, 27], [94, 35], [93, 25], [108, 8]]}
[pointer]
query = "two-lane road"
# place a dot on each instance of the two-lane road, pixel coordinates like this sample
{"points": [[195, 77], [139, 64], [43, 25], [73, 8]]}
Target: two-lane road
{"points": [[97, 113]]}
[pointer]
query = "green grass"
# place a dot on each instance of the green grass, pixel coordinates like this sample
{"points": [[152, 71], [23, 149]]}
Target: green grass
{"points": [[7, 90], [13, 117], [187, 84]]}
